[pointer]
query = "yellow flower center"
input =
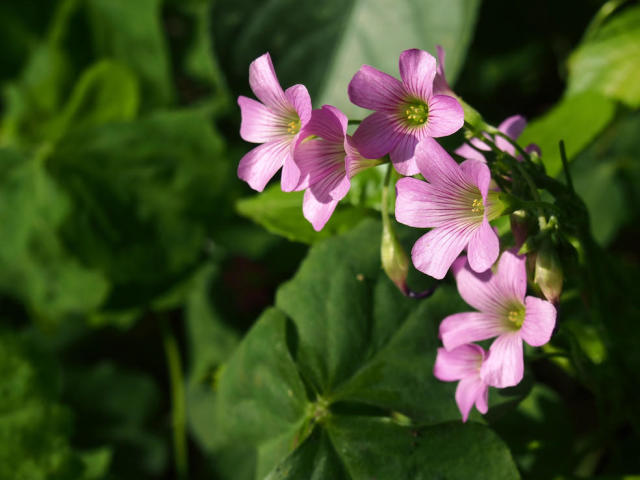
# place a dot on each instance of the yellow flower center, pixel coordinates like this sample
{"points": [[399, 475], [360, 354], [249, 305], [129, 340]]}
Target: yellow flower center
{"points": [[516, 316], [477, 206], [416, 113], [293, 127]]}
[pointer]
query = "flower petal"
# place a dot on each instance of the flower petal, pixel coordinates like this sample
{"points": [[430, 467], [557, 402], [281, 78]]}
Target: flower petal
{"points": [[327, 122], [511, 276], [477, 289], [461, 362], [482, 400], [290, 174], [264, 83], [435, 164], [467, 327], [484, 247], [317, 212], [477, 174], [259, 165], [468, 152], [417, 70], [298, 97], [505, 366], [446, 116], [319, 159], [354, 162], [512, 127], [413, 205], [259, 124], [370, 88], [470, 390], [440, 84], [539, 321], [403, 155], [436, 250], [376, 136]]}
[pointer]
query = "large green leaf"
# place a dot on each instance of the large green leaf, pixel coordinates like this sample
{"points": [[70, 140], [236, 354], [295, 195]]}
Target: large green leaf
{"points": [[609, 60], [323, 45], [35, 265], [577, 120], [131, 33], [145, 195], [34, 428], [281, 213], [605, 176], [341, 343]]}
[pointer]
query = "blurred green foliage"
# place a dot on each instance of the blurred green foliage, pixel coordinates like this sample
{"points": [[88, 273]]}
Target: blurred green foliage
{"points": [[119, 206]]}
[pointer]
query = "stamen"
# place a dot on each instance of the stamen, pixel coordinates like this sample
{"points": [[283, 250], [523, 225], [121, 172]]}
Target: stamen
{"points": [[293, 127], [477, 206], [416, 113], [516, 317]]}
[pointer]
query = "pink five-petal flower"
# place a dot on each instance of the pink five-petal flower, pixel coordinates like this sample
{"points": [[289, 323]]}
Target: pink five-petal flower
{"points": [[275, 123], [407, 112], [464, 363], [503, 312], [454, 204], [327, 161]]}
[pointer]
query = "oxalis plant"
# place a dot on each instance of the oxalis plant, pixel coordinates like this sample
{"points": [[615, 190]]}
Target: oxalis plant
{"points": [[349, 369]]}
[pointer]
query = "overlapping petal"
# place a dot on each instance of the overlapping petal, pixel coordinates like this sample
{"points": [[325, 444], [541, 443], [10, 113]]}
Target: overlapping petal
{"points": [[436, 250], [483, 248], [511, 276], [403, 155], [417, 70], [377, 135], [375, 90], [446, 116], [264, 83], [317, 212], [456, 364], [259, 165], [259, 124], [539, 321], [504, 367], [471, 390], [467, 327]]}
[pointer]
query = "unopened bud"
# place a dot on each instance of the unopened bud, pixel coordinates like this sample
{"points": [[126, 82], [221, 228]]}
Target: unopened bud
{"points": [[519, 228], [548, 271], [395, 261]]}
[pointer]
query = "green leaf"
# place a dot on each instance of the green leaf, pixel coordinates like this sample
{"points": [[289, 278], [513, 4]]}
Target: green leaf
{"points": [[35, 265], [145, 195], [106, 92], [281, 213], [34, 427], [577, 120], [323, 46], [131, 33], [608, 62], [605, 173], [341, 343]]}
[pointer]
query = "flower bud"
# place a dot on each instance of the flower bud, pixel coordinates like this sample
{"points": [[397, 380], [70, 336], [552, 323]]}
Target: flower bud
{"points": [[548, 271], [395, 261]]}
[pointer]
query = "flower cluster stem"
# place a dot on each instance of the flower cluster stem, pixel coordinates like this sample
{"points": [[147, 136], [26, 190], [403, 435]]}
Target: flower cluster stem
{"points": [[178, 403]]}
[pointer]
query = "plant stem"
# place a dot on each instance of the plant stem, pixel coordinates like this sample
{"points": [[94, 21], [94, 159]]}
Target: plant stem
{"points": [[178, 404], [354, 122], [565, 166]]}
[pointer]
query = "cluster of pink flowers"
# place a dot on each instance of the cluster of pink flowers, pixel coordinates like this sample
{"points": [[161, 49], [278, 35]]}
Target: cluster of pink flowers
{"points": [[318, 156]]}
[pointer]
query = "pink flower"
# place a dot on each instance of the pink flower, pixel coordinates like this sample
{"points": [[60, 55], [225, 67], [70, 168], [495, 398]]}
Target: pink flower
{"points": [[512, 127], [464, 363], [503, 312], [407, 111], [326, 161], [275, 123], [454, 204]]}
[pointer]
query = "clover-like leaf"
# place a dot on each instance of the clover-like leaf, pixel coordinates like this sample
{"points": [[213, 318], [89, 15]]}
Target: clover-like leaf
{"points": [[336, 381]]}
